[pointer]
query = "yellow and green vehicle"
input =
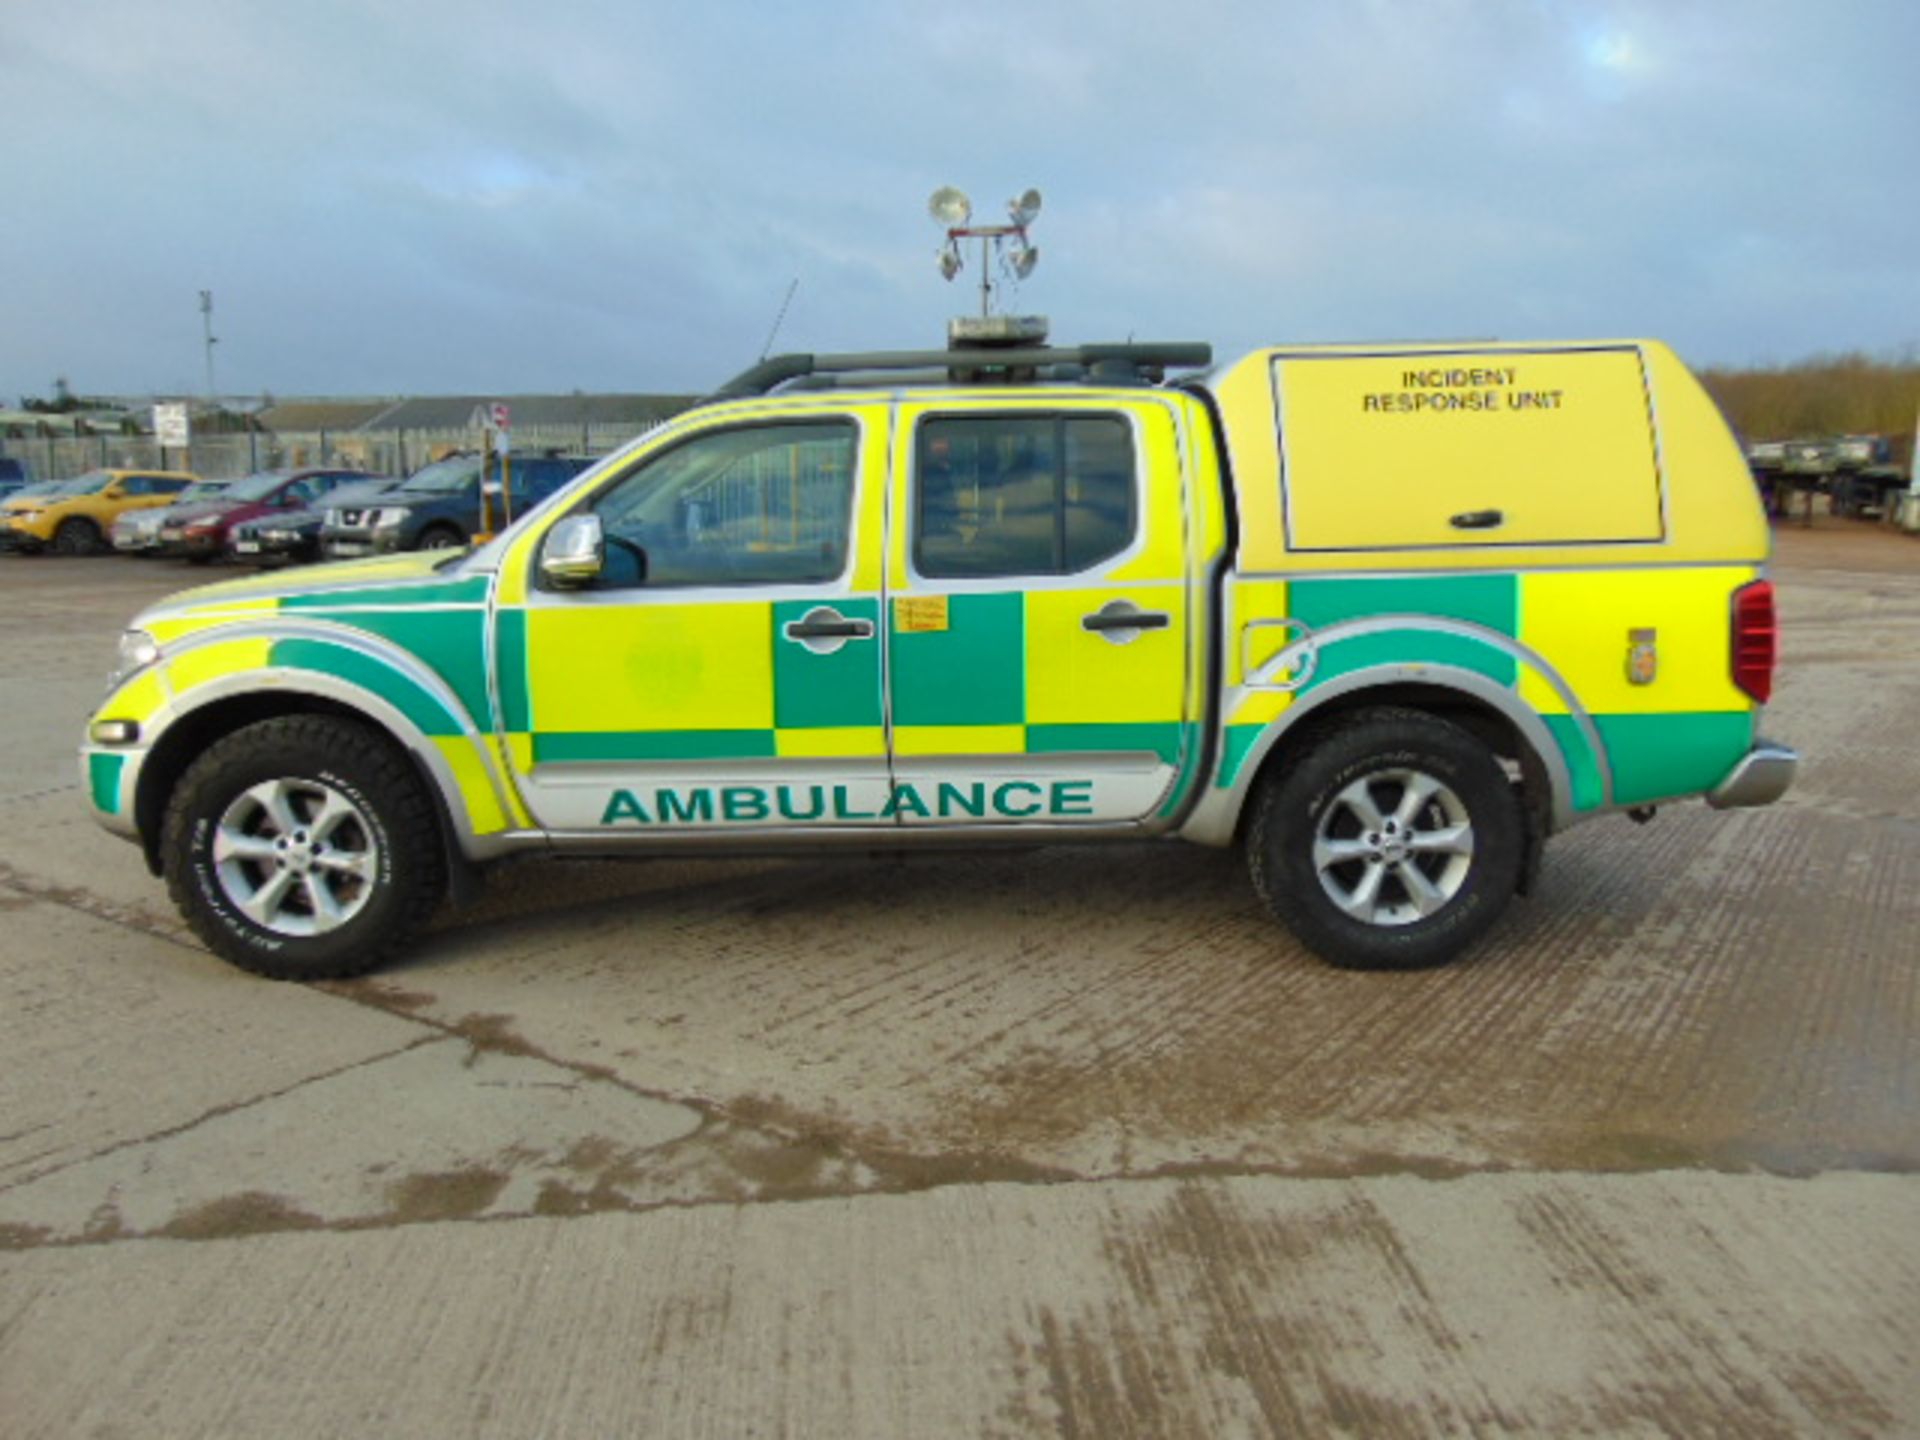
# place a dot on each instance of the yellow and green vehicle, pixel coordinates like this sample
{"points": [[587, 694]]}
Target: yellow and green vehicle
{"points": [[1386, 618]]}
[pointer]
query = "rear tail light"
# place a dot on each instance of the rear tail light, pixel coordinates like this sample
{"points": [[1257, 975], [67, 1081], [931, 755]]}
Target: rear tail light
{"points": [[1756, 643]]}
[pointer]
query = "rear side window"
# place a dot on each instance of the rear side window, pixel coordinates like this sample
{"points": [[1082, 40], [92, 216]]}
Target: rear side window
{"points": [[1022, 494]]}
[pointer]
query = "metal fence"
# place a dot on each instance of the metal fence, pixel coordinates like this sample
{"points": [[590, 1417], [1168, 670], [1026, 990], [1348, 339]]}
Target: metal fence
{"points": [[226, 457]]}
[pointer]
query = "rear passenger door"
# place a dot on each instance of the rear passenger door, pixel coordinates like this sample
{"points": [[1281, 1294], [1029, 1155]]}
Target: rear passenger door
{"points": [[1036, 625]]}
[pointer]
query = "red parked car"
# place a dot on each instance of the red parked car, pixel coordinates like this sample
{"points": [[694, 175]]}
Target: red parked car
{"points": [[199, 532]]}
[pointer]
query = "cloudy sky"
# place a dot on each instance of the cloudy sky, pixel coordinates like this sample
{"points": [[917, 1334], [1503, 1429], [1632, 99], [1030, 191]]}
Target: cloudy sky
{"points": [[429, 196]]}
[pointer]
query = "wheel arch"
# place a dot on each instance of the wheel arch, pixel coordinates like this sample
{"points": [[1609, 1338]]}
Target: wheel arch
{"points": [[1491, 712], [221, 709]]}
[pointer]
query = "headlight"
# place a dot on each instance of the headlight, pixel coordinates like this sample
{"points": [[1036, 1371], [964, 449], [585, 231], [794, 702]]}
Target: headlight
{"points": [[24, 515], [389, 519], [333, 518], [137, 651]]}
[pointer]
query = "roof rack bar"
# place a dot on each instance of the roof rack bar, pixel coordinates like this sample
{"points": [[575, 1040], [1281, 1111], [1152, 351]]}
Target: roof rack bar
{"points": [[770, 374]]}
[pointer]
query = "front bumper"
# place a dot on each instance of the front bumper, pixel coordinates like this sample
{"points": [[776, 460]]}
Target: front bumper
{"points": [[1762, 777], [191, 546], [358, 544], [265, 550]]}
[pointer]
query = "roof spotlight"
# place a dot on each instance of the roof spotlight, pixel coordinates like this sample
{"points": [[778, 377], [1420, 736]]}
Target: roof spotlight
{"points": [[1004, 251], [950, 207]]}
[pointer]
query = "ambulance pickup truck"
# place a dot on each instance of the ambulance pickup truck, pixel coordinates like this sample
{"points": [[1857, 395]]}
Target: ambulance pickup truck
{"points": [[1384, 617]]}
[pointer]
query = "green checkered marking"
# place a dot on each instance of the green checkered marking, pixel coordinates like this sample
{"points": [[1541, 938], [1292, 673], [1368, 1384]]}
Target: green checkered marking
{"points": [[818, 692], [1491, 601], [103, 781], [426, 712], [972, 673]]}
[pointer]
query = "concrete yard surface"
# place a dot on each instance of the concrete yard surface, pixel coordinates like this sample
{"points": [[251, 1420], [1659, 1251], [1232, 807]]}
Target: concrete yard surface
{"points": [[1064, 1142]]}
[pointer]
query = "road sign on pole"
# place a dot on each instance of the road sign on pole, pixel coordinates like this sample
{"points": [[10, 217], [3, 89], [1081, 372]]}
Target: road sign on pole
{"points": [[170, 426]]}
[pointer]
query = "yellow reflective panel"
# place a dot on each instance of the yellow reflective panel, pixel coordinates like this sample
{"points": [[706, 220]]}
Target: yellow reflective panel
{"points": [[959, 739], [137, 699], [1582, 624], [176, 623], [1163, 556], [484, 814], [657, 666], [209, 662], [1411, 449], [852, 740], [1078, 676], [1249, 642]]}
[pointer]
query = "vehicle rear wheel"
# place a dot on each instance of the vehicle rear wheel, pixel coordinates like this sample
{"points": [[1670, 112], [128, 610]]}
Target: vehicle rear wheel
{"points": [[303, 848], [1392, 843], [76, 536]]}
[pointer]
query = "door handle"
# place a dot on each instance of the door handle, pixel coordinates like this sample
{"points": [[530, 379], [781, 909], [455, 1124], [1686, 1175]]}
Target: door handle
{"points": [[1134, 620], [1120, 621], [823, 630], [1479, 520], [811, 629]]}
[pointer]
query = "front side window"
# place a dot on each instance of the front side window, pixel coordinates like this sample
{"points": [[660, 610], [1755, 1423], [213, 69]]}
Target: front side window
{"points": [[1000, 495], [444, 477], [761, 505]]}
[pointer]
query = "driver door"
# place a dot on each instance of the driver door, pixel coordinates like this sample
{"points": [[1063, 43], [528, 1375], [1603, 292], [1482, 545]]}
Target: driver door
{"points": [[723, 673]]}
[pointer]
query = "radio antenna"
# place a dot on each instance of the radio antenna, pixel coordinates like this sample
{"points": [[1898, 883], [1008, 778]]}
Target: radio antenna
{"points": [[777, 319]]}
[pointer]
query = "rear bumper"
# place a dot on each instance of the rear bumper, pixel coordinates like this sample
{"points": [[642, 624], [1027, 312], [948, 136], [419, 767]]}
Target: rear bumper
{"points": [[1761, 777]]}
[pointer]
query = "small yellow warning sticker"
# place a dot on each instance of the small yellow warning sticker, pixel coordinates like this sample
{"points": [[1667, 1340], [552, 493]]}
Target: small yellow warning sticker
{"points": [[919, 613]]}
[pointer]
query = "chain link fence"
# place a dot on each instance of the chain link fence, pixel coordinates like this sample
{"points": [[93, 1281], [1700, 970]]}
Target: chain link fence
{"points": [[227, 457]]}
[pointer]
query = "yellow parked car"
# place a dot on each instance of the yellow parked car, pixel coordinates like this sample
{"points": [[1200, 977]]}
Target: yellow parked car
{"points": [[75, 519]]}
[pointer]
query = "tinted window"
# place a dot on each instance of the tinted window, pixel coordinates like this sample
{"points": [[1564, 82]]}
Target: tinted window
{"points": [[761, 505], [1021, 495]]}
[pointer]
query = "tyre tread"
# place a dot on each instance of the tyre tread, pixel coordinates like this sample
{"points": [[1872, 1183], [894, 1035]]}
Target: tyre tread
{"points": [[407, 812]]}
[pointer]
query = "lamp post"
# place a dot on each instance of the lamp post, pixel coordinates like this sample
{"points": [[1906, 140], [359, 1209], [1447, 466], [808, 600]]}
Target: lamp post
{"points": [[206, 326]]}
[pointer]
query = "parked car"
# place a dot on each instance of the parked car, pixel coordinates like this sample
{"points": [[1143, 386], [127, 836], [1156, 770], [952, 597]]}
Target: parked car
{"points": [[438, 507], [137, 532], [293, 537], [32, 490], [199, 532], [14, 476], [75, 519]]}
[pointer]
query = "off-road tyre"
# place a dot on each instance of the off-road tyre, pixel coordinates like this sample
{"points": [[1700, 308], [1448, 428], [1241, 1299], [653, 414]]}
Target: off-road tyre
{"points": [[77, 536], [441, 537], [307, 758], [1306, 804]]}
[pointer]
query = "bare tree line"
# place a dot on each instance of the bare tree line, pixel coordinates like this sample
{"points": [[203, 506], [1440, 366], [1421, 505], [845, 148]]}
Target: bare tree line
{"points": [[1853, 394]]}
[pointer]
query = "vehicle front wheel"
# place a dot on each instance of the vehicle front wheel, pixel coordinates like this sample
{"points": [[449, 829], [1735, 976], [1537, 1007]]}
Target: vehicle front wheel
{"points": [[76, 537], [441, 537], [303, 848], [1392, 843]]}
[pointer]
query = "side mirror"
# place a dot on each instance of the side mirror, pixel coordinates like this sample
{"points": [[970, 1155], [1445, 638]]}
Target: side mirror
{"points": [[574, 554]]}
